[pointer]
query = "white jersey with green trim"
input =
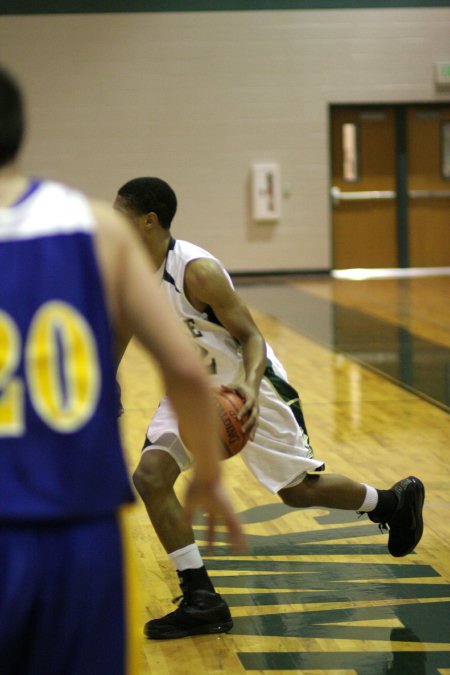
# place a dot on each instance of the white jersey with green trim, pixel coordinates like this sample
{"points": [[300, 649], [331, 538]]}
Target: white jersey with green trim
{"points": [[280, 454], [220, 351]]}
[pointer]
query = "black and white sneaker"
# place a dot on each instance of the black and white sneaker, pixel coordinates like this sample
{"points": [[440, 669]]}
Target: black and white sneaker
{"points": [[405, 523], [201, 612]]}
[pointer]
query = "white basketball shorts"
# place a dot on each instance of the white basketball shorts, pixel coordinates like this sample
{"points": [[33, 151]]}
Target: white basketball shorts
{"points": [[279, 456]]}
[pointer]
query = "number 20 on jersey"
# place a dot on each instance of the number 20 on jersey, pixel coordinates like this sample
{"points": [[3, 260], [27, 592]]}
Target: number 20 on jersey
{"points": [[61, 370]]}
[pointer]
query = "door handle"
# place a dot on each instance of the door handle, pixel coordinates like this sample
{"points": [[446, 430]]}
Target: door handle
{"points": [[429, 194], [359, 196]]}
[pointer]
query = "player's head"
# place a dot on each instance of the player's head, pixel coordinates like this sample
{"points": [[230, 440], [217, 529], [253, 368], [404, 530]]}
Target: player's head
{"points": [[143, 196], [11, 118]]}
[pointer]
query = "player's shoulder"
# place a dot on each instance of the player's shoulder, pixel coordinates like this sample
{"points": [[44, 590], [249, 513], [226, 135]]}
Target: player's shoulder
{"points": [[104, 213], [114, 241], [187, 250], [194, 256], [78, 204], [55, 193], [203, 268], [202, 274], [109, 223], [55, 208]]}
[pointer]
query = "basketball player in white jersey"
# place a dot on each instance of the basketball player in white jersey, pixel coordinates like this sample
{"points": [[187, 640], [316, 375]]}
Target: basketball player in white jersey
{"points": [[279, 453], [70, 268]]}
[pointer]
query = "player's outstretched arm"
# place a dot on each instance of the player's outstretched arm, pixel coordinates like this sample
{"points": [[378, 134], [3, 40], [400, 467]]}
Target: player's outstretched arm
{"points": [[135, 300]]}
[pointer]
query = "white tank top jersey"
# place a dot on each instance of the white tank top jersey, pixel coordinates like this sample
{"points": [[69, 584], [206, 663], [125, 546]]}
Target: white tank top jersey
{"points": [[220, 352], [280, 454]]}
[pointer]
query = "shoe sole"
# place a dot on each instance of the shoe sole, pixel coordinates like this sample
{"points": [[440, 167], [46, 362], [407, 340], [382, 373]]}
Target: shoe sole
{"points": [[418, 499], [222, 627]]}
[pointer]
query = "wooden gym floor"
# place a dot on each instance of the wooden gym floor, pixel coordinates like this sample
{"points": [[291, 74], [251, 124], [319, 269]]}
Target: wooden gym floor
{"points": [[318, 592]]}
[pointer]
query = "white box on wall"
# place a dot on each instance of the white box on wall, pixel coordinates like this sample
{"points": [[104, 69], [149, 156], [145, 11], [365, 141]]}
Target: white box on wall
{"points": [[266, 192], [442, 74]]}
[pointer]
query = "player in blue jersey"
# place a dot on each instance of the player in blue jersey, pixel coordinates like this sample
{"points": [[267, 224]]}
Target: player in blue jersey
{"points": [[71, 268], [278, 453]]}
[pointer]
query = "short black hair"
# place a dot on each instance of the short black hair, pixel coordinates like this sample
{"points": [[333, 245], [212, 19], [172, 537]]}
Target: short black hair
{"points": [[143, 195], [12, 123]]}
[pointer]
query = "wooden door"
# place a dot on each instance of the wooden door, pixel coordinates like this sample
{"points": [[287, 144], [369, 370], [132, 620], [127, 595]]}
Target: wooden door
{"points": [[428, 138], [363, 187]]}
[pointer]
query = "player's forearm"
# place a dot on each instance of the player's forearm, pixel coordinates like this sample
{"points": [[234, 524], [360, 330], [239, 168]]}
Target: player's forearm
{"points": [[194, 405], [254, 356], [121, 342]]}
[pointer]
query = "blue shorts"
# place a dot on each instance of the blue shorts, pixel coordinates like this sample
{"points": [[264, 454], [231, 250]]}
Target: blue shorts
{"points": [[62, 608]]}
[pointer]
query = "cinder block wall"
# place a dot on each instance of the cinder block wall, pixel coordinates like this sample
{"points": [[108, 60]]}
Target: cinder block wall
{"points": [[196, 98]]}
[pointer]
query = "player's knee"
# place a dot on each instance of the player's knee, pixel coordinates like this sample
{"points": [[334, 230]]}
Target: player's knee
{"points": [[150, 478], [300, 496], [293, 497]]}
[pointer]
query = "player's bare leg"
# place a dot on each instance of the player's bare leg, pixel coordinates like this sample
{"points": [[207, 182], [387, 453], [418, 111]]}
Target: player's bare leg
{"points": [[202, 610], [399, 508], [154, 479], [329, 490]]}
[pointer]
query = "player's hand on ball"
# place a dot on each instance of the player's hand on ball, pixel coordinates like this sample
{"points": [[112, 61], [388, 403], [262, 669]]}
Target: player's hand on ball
{"points": [[250, 409]]}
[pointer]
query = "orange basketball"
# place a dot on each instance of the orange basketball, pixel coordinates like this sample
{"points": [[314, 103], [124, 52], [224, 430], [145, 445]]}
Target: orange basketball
{"points": [[233, 438]]}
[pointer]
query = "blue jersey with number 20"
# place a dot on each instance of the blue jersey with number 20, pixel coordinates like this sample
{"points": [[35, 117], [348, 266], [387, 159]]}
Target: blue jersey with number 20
{"points": [[60, 454]]}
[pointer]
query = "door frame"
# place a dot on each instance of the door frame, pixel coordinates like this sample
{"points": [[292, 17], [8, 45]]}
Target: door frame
{"points": [[401, 166]]}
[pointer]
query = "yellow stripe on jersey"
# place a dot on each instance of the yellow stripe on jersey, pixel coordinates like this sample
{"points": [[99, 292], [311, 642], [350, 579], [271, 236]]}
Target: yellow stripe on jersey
{"points": [[133, 595]]}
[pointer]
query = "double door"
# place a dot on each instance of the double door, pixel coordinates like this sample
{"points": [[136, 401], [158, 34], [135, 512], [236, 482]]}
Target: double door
{"points": [[390, 186]]}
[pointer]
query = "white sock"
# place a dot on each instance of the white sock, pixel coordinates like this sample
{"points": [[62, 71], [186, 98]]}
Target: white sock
{"points": [[370, 500], [187, 558]]}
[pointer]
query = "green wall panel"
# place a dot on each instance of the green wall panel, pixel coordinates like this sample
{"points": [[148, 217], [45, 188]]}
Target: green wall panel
{"points": [[110, 6]]}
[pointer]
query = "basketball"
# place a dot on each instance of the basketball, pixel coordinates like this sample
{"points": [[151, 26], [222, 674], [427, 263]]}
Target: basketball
{"points": [[233, 438]]}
